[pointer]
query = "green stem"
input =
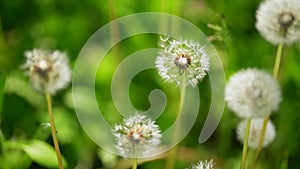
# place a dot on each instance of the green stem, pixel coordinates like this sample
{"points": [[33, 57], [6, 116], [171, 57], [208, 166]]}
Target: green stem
{"points": [[171, 158], [3, 157], [134, 164], [245, 146], [279, 54], [114, 31], [284, 164], [260, 142], [53, 130], [278, 60]]}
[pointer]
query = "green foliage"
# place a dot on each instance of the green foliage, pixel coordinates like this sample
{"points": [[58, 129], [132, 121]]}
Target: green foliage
{"points": [[25, 138], [2, 91], [41, 153]]}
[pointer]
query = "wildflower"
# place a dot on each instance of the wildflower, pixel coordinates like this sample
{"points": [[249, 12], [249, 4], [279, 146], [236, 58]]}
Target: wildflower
{"points": [[182, 57], [47, 70], [137, 136], [279, 21], [202, 165], [252, 93], [255, 131]]}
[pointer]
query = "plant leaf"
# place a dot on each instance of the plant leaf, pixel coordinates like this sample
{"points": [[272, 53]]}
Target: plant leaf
{"points": [[41, 153]]}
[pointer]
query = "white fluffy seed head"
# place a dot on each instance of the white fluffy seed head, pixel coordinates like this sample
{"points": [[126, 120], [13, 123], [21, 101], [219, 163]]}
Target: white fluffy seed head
{"points": [[252, 93], [255, 131], [202, 165], [182, 57], [137, 136], [278, 21], [47, 70]]}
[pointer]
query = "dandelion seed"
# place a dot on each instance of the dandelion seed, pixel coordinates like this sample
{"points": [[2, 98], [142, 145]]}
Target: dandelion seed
{"points": [[202, 165], [137, 136], [255, 131], [279, 21], [182, 57], [47, 70], [252, 93]]}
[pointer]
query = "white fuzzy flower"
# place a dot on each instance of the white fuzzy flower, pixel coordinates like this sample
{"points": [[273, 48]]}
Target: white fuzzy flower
{"points": [[255, 130], [202, 165], [252, 93], [182, 57], [137, 136], [279, 21], [47, 70]]}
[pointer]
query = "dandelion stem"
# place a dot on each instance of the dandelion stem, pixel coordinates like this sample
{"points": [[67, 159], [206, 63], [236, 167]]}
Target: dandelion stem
{"points": [[245, 146], [134, 165], [171, 158], [261, 139], [53, 130], [284, 164], [266, 119], [278, 60]]}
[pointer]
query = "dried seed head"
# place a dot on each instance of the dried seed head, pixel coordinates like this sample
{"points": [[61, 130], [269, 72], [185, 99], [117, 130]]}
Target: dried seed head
{"points": [[255, 131], [182, 57], [278, 21], [252, 93], [136, 136], [47, 70]]}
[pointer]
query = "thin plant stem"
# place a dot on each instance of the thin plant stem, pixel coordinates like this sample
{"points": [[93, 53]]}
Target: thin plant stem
{"points": [[114, 31], [3, 157], [134, 164], [284, 164], [245, 146], [53, 131], [260, 142], [172, 155], [277, 60], [279, 53]]}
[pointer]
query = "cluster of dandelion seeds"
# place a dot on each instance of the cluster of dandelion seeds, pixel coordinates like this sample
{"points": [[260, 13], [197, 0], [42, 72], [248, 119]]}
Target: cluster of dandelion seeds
{"points": [[252, 93], [182, 57], [255, 131], [48, 71], [202, 165], [278, 21], [137, 136]]}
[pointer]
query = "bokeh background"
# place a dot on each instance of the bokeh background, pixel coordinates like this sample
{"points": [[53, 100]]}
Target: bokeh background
{"points": [[25, 136]]}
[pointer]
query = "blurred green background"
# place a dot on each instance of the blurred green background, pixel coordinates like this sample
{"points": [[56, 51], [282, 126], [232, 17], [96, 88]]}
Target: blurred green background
{"points": [[66, 25]]}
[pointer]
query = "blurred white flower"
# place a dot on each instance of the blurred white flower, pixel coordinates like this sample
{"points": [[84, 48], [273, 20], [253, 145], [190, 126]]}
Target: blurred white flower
{"points": [[279, 21], [137, 136], [47, 70], [182, 57], [202, 165], [252, 93], [255, 130]]}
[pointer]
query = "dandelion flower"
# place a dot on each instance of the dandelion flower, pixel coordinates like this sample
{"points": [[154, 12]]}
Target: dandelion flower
{"points": [[182, 57], [137, 136], [47, 70], [252, 93], [202, 165], [279, 21], [255, 130]]}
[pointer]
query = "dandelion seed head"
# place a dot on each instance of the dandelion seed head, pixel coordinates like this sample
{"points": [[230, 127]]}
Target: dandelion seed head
{"points": [[255, 131], [278, 21], [252, 93], [137, 136], [47, 70], [182, 57], [202, 165]]}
